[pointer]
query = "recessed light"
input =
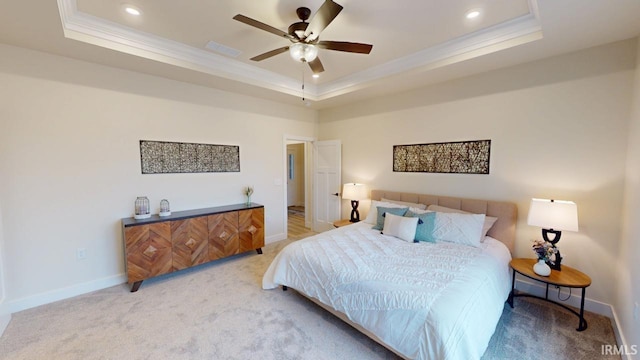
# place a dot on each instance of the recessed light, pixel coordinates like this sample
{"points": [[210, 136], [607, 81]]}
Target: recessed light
{"points": [[132, 11], [472, 14], [315, 76]]}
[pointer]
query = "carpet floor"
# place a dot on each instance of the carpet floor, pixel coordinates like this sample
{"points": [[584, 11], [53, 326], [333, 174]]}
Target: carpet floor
{"points": [[219, 311]]}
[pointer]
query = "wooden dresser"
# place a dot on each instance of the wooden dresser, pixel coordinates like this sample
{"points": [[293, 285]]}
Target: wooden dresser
{"points": [[160, 245]]}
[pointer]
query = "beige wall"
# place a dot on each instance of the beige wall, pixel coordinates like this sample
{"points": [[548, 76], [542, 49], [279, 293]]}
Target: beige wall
{"points": [[627, 282], [70, 164], [558, 129], [69, 159], [5, 314]]}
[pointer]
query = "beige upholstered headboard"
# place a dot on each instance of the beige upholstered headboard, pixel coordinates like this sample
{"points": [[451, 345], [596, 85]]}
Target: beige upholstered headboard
{"points": [[504, 228]]}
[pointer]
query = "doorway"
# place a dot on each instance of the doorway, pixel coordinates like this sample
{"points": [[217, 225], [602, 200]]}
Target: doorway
{"points": [[297, 199], [321, 174]]}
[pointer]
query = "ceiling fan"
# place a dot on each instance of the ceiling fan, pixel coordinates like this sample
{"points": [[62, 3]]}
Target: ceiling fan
{"points": [[305, 36]]}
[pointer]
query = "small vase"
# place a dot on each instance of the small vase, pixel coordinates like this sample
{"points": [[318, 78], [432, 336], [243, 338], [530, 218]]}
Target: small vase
{"points": [[248, 200], [541, 268]]}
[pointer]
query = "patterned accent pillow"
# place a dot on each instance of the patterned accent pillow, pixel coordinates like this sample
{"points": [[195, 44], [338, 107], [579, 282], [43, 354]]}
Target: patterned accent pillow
{"points": [[458, 228], [383, 210], [426, 225], [488, 220]]}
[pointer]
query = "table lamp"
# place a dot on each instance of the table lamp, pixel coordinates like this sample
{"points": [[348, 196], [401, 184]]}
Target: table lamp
{"points": [[355, 193], [553, 216]]}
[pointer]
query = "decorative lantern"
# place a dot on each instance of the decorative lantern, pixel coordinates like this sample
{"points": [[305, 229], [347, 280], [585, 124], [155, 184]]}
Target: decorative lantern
{"points": [[165, 210], [142, 208]]}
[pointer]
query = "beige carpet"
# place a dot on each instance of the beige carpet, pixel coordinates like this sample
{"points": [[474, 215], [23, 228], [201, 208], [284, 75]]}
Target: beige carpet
{"points": [[219, 311]]}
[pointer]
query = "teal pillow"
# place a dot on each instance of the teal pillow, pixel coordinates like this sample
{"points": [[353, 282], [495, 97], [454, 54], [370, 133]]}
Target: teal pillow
{"points": [[426, 224], [382, 210]]}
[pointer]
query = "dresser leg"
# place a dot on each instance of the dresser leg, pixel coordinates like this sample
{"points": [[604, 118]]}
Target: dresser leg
{"points": [[136, 286], [259, 250]]}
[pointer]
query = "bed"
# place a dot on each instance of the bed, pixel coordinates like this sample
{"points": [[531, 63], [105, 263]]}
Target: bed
{"points": [[421, 300]]}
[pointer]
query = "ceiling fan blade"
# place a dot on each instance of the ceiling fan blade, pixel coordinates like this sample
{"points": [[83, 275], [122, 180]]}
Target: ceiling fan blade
{"points": [[261, 26], [269, 54], [316, 66], [322, 18], [345, 46]]}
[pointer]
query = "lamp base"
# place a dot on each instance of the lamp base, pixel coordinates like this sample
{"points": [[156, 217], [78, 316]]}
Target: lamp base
{"points": [[557, 233], [355, 214], [556, 264]]}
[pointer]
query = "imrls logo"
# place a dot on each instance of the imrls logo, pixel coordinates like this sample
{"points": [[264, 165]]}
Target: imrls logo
{"points": [[619, 349]]}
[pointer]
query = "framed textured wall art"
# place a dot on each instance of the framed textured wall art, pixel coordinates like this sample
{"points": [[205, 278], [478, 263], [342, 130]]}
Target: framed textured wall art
{"points": [[460, 157], [162, 157]]}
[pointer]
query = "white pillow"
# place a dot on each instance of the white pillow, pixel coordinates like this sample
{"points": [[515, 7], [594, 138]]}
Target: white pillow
{"points": [[405, 203], [458, 228], [419, 211], [372, 216], [488, 220], [404, 228]]}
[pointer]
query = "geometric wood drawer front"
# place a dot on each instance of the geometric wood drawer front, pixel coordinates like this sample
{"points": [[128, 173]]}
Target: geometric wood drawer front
{"points": [[190, 245], [251, 229], [159, 246], [223, 235], [148, 251]]}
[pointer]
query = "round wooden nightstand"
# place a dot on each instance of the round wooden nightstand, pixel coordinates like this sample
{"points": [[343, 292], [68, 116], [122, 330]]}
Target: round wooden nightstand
{"points": [[568, 277], [341, 223]]}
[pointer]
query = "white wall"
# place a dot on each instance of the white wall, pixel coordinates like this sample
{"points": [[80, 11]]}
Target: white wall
{"points": [[558, 129], [5, 314], [627, 283], [70, 164]]}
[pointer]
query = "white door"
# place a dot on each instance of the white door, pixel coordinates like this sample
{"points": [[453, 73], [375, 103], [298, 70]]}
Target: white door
{"points": [[327, 179]]}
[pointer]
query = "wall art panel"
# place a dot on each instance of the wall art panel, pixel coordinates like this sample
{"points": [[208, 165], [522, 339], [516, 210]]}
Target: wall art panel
{"points": [[461, 157], [163, 157]]}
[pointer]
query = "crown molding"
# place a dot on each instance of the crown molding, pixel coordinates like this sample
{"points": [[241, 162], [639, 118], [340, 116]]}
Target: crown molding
{"points": [[502, 36], [93, 30]]}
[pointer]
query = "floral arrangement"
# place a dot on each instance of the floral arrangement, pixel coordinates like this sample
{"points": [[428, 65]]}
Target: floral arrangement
{"points": [[247, 192], [544, 250]]}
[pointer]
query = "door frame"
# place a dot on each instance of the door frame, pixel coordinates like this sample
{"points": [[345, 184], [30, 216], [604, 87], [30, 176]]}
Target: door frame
{"points": [[308, 141]]}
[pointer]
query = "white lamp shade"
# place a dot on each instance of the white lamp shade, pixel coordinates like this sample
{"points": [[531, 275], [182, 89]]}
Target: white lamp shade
{"points": [[303, 52], [353, 191], [553, 214]]}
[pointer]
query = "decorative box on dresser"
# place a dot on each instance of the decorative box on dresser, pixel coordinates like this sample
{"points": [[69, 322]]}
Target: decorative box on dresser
{"points": [[160, 245]]}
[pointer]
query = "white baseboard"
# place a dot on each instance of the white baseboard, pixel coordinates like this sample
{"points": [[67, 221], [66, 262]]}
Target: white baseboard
{"points": [[29, 302], [4, 322], [538, 289], [274, 238], [620, 339], [589, 305], [5, 316]]}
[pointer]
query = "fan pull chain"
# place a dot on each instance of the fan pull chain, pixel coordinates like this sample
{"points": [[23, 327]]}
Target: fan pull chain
{"points": [[303, 82]]}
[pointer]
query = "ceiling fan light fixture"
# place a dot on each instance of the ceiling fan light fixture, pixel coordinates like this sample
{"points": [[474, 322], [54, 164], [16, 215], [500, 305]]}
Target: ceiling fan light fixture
{"points": [[303, 52], [472, 14], [132, 10]]}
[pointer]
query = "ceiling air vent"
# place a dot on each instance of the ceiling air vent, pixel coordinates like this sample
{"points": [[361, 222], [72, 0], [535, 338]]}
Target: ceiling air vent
{"points": [[222, 49]]}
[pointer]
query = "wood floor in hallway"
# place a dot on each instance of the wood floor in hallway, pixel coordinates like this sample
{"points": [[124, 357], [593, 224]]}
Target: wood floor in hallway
{"points": [[296, 228]]}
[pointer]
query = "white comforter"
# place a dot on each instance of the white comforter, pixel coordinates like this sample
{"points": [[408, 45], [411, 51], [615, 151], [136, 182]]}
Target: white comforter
{"points": [[426, 301]]}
